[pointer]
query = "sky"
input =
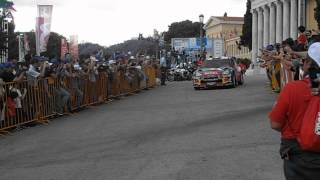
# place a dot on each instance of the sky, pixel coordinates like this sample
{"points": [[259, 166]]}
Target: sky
{"points": [[109, 22]]}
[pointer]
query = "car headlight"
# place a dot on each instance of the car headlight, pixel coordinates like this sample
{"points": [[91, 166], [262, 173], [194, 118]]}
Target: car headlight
{"points": [[226, 72]]}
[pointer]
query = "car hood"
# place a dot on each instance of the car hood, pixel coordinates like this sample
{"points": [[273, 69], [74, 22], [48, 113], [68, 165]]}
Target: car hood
{"points": [[221, 69]]}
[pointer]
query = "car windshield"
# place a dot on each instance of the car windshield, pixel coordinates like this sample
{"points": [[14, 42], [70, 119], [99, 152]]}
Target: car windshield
{"points": [[216, 63]]}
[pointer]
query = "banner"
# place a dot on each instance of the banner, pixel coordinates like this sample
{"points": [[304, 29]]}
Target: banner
{"points": [[64, 48], [43, 27], [74, 49], [26, 43]]}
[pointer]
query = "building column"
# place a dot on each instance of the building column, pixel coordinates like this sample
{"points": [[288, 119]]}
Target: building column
{"points": [[279, 23], [266, 24], [272, 25], [294, 20], [260, 30], [286, 19], [254, 36], [301, 12]]}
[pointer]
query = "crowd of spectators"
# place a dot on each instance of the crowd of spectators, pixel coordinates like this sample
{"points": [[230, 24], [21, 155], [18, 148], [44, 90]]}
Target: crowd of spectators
{"points": [[284, 62], [18, 80]]}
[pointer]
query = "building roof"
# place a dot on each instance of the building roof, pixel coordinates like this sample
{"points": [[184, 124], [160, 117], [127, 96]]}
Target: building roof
{"points": [[227, 18]]}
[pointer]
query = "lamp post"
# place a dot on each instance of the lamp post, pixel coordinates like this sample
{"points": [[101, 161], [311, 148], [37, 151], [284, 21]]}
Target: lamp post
{"points": [[201, 17]]}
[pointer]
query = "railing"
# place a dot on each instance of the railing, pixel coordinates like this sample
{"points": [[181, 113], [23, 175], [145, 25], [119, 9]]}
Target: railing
{"points": [[40, 100]]}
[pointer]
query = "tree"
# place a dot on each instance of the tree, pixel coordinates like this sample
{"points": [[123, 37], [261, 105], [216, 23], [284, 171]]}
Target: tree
{"points": [[54, 46], [88, 49], [246, 38], [317, 13], [13, 52], [183, 29]]}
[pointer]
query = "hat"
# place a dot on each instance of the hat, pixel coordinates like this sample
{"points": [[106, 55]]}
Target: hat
{"points": [[314, 52], [8, 65], [93, 58], [132, 57], [77, 67], [54, 61], [112, 62], [270, 48]]}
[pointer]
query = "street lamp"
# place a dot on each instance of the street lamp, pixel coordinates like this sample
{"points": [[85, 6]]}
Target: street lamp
{"points": [[201, 18]]}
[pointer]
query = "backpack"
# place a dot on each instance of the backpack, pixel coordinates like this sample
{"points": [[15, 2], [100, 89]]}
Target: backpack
{"points": [[309, 137]]}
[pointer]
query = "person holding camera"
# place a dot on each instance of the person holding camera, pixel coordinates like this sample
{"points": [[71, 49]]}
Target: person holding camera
{"points": [[286, 117]]}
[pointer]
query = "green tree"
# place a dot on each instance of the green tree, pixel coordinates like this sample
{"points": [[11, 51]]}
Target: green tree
{"points": [[54, 45], [317, 13], [13, 52], [183, 29], [246, 38]]}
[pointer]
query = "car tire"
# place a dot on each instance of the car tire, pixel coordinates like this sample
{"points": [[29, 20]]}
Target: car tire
{"points": [[196, 88]]}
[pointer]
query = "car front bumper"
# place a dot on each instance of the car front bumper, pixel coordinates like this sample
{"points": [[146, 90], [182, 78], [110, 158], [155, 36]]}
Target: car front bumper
{"points": [[201, 83]]}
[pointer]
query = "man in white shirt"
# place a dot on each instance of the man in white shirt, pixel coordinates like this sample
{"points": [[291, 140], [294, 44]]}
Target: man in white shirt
{"points": [[163, 68]]}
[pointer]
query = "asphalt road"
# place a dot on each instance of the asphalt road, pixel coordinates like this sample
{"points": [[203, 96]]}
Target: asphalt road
{"points": [[168, 133]]}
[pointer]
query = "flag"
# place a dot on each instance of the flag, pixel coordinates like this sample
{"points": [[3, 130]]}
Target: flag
{"points": [[74, 49], [64, 48], [43, 27]]}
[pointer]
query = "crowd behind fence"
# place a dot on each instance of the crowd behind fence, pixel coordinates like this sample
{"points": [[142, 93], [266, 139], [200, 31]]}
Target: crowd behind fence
{"points": [[284, 61], [40, 99]]}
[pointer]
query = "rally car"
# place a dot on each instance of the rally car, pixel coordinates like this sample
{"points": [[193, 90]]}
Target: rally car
{"points": [[218, 72]]}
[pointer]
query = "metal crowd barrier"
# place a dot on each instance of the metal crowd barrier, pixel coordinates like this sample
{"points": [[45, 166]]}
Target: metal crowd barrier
{"points": [[38, 100]]}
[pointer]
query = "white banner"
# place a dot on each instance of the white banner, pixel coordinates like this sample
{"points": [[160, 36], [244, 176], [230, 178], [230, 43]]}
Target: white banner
{"points": [[74, 49], [43, 27]]}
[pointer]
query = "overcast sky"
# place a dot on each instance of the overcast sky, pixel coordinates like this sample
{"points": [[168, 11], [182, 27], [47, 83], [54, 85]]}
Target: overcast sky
{"points": [[109, 22]]}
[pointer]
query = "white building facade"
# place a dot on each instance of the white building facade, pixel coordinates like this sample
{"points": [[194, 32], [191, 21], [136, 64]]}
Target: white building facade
{"points": [[274, 21]]}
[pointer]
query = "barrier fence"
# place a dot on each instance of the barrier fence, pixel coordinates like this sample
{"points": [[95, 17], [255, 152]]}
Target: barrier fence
{"points": [[40, 100], [280, 74]]}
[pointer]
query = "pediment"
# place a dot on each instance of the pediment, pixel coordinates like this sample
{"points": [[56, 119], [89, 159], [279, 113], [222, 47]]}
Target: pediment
{"points": [[213, 21]]}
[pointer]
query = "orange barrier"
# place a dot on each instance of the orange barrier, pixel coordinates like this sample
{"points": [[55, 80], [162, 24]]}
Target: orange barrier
{"points": [[40, 100]]}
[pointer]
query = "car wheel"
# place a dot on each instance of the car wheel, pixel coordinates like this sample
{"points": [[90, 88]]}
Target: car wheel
{"points": [[196, 88]]}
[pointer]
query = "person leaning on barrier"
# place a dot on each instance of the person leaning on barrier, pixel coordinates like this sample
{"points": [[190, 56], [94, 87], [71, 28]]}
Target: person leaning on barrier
{"points": [[76, 83], [286, 117], [62, 94]]}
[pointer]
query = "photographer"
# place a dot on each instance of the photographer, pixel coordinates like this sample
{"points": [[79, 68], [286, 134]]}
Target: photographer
{"points": [[286, 117]]}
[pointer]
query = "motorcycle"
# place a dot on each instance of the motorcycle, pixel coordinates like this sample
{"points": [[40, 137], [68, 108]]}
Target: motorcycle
{"points": [[170, 75], [181, 73]]}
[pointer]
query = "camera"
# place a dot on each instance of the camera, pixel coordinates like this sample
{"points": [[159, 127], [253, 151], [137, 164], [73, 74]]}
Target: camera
{"points": [[314, 74]]}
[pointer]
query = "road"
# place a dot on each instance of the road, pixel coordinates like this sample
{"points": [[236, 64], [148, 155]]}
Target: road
{"points": [[168, 133]]}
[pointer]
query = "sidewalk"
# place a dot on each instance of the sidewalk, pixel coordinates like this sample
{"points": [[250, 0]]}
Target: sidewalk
{"points": [[255, 71]]}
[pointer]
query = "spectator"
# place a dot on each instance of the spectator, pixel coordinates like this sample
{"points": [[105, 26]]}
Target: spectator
{"points": [[163, 68], [286, 117], [302, 38]]}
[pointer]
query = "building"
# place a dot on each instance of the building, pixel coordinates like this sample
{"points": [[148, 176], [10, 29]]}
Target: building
{"points": [[233, 50], [276, 20], [229, 29]]}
